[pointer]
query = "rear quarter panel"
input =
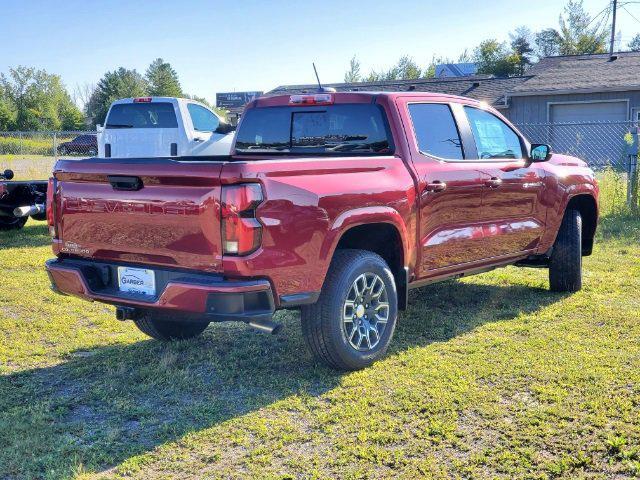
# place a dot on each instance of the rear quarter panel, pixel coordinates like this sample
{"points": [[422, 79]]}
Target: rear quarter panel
{"points": [[309, 204]]}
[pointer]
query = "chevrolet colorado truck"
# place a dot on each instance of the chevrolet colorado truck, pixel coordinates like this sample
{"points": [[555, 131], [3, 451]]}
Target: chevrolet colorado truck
{"points": [[332, 203]]}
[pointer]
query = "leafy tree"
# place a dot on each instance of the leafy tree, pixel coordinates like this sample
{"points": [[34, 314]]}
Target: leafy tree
{"points": [[634, 44], [7, 117], [353, 74], [521, 45], [36, 100], [121, 83], [547, 43], [578, 32], [495, 58], [405, 69], [163, 80]]}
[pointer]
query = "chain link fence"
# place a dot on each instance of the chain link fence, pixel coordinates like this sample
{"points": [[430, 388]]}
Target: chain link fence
{"points": [[610, 149], [33, 154]]}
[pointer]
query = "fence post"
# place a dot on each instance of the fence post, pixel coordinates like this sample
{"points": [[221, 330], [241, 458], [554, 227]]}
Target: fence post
{"points": [[55, 146]]}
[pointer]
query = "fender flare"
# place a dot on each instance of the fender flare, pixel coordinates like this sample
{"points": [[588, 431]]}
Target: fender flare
{"points": [[569, 193], [364, 216]]}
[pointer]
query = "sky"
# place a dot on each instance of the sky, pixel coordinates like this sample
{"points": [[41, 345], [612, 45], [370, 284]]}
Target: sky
{"points": [[222, 46]]}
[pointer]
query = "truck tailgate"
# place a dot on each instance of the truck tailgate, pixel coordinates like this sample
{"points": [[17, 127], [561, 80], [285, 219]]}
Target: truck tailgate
{"points": [[152, 211]]}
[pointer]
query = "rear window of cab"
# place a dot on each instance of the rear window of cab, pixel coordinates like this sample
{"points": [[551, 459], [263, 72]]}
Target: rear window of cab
{"points": [[142, 115], [332, 129]]}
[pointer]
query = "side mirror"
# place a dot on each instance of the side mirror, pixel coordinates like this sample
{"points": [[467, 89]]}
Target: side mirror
{"points": [[540, 152], [7, 174], [225, 128]]}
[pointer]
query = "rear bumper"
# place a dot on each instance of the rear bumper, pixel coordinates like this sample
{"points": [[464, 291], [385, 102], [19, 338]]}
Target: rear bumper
{"points": [[209, 296]]}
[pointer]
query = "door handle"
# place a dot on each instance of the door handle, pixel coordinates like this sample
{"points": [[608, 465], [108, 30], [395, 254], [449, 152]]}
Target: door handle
{"points": [[493, 182], [435, 186]]}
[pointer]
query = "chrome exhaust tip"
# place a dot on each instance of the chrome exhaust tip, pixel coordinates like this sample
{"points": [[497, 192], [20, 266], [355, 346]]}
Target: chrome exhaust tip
{"points": [[29, 210], [266, 326]]}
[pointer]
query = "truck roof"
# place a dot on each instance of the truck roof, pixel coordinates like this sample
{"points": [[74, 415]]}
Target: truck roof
{"points": [[360, 97]]}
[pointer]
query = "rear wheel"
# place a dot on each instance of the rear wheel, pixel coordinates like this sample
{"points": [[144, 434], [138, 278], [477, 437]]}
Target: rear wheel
{"points": [[162, 327], [352, 323], [12, 223], [565, 266]]}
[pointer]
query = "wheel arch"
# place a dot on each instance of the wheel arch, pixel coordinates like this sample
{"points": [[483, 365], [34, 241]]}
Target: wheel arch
{"points": [[384, 235], [588, 207]]}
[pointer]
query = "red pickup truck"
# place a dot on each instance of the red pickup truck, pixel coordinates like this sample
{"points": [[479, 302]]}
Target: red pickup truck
{"points": [[332, 203]]}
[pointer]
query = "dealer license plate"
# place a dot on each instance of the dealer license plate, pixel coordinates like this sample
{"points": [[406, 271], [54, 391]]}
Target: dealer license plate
{"points": [[137, 280]]}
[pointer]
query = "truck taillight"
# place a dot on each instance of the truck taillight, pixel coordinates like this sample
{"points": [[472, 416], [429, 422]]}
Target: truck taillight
{"points": [[51, 208], [241, 230], [142, 100]]}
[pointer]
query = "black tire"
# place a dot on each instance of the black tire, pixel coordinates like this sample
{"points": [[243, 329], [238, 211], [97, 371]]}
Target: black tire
{"points": [[322, 322], [166, 328], [40, 217], [12, 223], [565, 266]]}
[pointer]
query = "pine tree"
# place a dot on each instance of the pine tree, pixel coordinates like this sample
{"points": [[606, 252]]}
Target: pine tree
{"points": [[163, 80]]}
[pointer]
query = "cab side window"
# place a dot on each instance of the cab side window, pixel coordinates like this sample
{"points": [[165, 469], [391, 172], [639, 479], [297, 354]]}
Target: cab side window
{"points": [[436, 130], [203, 120], [494, 139]]}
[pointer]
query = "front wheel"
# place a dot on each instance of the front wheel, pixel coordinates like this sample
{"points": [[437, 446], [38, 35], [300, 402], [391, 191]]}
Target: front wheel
{"points": [[352, 323], [565, 266], [162, 327]]}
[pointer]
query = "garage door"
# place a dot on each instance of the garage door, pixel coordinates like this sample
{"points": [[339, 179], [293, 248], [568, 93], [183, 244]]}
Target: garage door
{"points": [[589, 112], [592, 131]]}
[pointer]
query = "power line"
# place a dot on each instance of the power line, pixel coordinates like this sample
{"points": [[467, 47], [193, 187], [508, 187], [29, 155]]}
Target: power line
{"points": [[632, 15]]}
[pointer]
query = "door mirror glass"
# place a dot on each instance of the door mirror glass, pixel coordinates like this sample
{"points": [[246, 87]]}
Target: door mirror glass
{"points": [[540, 153]]}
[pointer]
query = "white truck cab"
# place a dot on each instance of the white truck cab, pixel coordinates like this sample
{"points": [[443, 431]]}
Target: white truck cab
{"points": [[162, 127]]}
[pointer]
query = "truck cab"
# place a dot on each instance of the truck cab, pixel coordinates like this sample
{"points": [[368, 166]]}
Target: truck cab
{"points": [[162, 127]]}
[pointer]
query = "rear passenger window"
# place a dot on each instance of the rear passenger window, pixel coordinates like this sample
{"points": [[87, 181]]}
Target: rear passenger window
{"points": [[436, 130]]}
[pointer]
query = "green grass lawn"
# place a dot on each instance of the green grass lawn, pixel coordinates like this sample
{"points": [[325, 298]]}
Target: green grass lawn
{"points": [[490, 377]]}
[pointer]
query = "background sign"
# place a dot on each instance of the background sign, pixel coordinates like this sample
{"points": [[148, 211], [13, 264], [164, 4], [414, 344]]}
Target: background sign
{"points": [[235, 99]]}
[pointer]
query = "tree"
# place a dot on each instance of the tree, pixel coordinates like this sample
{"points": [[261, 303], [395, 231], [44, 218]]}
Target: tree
{"points": [[521, 39], [634, 44], [547, 43], [578, 34], [495, 58], [163, 80], [36, 100], [121, 83], [353, 74], [405, 69]]}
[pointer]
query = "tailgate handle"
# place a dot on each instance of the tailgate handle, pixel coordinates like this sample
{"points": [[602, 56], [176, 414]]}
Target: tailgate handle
{"points": [[125, 183]]}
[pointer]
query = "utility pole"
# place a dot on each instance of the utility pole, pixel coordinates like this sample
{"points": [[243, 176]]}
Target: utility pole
{"points": [[613, 27]]}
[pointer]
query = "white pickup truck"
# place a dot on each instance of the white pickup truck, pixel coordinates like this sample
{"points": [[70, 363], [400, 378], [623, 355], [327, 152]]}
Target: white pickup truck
{"points": [[162, 127]]}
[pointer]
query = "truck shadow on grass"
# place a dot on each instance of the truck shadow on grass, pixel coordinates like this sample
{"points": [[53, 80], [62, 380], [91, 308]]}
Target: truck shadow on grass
{"points": [[33, 234], [103, 406]]}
